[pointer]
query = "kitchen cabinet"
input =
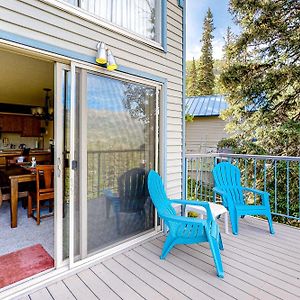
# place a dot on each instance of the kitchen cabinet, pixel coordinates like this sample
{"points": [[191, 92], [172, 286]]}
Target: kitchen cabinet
{"points": [[25, 125], [31, 126], [11, 123]]}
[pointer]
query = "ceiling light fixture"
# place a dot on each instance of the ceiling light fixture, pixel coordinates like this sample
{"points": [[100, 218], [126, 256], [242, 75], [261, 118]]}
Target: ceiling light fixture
{"points": [[46, 112]]}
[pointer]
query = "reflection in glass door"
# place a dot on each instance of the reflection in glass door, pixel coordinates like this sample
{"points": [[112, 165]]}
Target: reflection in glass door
{"points": [[120, 149]]}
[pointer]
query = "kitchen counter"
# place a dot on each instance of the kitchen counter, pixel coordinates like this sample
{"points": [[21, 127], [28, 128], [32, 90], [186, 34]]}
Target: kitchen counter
{"points": [[39, 154], [16, 152]]}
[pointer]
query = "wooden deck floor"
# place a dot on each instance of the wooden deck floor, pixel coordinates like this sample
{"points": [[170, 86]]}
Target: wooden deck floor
{"points": [[257, 266]]}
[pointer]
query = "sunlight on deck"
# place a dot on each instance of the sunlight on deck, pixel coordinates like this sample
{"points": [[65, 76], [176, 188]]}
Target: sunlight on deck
{"points": [[257, 265]]}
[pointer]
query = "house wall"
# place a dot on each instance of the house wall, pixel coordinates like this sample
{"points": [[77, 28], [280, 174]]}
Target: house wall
{"points": [[203, 134], [35, 20]]}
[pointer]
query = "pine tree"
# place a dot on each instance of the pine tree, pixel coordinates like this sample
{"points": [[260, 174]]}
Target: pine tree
{"points": [[228, 47], [206, 76], [263, 84], [192, 84]]}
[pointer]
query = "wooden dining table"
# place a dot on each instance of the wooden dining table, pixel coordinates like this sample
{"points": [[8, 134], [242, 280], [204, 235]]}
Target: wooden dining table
{"points": [[13, 175]]}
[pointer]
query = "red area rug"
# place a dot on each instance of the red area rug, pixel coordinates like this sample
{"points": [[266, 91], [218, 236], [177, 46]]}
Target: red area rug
{"points": [[24, 263]]}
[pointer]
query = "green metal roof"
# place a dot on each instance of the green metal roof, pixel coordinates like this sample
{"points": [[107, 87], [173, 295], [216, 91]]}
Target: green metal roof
{"points": [[205, 106]]}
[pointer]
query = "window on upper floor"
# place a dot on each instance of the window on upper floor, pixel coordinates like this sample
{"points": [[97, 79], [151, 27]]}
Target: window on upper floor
{"points": [[142, 17]]}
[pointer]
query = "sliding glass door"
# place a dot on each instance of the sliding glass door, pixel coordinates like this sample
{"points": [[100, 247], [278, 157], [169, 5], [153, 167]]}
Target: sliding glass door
{"points": [[120, 149], [114, 142]]}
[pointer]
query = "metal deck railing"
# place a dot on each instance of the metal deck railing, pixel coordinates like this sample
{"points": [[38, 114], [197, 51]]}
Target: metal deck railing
{"points": [[105, 167], [278, 175]]}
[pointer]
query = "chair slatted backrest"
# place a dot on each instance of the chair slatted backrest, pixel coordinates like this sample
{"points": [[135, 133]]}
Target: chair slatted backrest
{"points": [[133, 191], [45, 178], [227, 177], [158, 195]]}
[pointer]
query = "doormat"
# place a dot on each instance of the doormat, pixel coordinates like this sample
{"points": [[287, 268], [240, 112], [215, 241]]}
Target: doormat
{"points": [[24, 263]]}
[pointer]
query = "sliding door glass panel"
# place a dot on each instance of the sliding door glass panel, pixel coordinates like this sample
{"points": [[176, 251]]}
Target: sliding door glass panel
{"points": [[120, 151]]}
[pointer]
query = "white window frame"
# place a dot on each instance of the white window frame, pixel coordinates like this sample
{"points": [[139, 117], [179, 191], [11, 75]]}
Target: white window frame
{"points": [[85, 15]]}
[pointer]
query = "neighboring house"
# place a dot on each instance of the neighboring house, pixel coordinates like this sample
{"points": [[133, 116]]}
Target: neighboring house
{"points": [[105, 123], [206, 128]]}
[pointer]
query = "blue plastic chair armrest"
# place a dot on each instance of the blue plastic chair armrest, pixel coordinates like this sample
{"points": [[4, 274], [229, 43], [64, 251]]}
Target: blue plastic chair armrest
{"points": [[188, 202], [200, 203], [262, 193], [181, 219]]}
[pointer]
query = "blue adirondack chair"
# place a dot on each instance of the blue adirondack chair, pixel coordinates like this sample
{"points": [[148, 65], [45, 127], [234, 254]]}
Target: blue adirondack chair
{"points": [[183, 230], [132, 190], [227, 179]]}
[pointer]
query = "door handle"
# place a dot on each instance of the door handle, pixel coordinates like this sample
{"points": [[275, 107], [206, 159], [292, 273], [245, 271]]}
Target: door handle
{"points": [[58, 166]]}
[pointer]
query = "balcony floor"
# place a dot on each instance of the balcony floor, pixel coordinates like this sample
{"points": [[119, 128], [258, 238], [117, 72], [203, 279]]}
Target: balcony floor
{"points": [[257, 265]]}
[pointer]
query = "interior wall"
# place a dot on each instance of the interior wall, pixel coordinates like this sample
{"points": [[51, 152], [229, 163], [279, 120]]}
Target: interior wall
{"points": [[22, 80], [16, 139]]}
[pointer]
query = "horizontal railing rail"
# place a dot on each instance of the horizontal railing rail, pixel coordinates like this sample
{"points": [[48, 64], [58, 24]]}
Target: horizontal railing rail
{"points": [[105, 167], [278, 175], [245, 156]]}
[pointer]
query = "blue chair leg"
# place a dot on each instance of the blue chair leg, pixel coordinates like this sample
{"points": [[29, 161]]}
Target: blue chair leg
{"points": [[215, 251], [270, 223], [234, 222], [221, 246], [168, 245]]}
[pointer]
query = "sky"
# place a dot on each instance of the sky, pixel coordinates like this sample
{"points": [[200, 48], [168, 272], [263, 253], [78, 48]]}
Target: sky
{"points": [[196, 11]]}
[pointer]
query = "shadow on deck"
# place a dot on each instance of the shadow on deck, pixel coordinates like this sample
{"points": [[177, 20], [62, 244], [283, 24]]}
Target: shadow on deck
{"points": [[257, 265]]}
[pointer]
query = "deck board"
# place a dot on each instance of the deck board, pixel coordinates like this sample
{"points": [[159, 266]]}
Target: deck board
{"points": [[97, 286], [257, 265], [263, 237], [189, 291], [79, 289], [41, 294], [266, 281], [200, 266], [264, 260], [26, 297], [156, 283], [115, 283], [216, 288], [59, 291]]}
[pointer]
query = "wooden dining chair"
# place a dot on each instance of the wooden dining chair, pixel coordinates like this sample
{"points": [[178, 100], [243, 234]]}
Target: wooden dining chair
{"points": [[44, 192]]}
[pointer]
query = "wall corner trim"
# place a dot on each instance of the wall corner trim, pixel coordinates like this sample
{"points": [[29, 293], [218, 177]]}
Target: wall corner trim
{"points": [[164, 29]]}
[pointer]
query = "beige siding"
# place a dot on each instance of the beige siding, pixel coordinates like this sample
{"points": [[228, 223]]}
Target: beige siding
{"points": [[40, 21], [203, 134]]}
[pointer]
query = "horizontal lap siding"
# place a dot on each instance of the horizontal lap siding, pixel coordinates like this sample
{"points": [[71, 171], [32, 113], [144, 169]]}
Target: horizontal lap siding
{"points": [[39, 21], [203, 134]]}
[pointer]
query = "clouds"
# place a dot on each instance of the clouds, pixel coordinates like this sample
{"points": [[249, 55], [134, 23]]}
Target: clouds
{"points": [[218, 45], [193, 52]]}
